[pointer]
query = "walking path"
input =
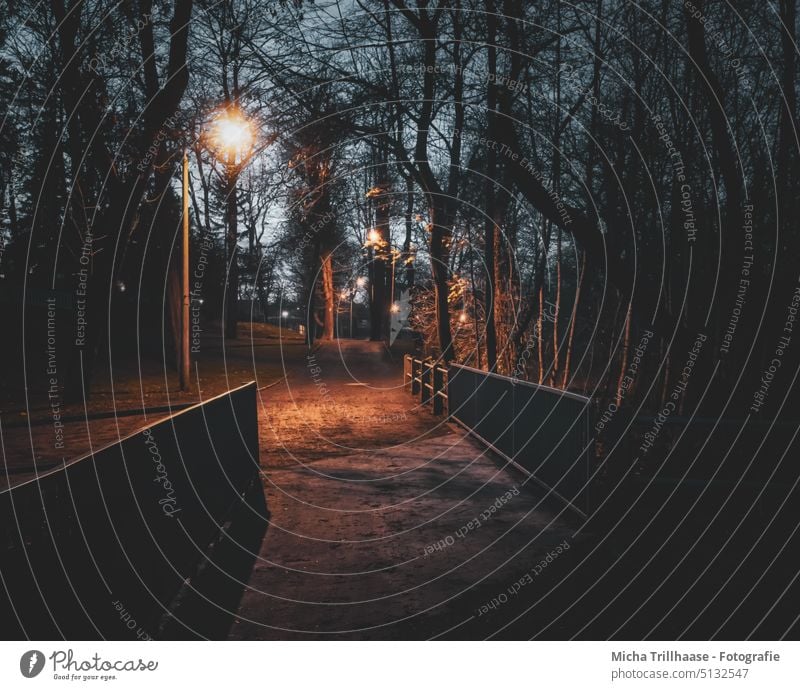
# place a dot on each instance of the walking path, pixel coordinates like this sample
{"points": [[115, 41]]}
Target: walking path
{"points": [[386, 522]]}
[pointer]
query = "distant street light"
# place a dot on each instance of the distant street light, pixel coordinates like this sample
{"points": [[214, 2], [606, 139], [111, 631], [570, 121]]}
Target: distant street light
{"points": [[350, 293], [383, 250], [285, 314]]}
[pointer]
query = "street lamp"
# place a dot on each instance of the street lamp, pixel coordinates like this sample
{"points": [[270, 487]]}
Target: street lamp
{"points": [[232, 136], [232, 132]]}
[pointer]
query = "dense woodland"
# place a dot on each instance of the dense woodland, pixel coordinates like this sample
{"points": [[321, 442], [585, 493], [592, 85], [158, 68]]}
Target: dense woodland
{"points": [[583, 194]]}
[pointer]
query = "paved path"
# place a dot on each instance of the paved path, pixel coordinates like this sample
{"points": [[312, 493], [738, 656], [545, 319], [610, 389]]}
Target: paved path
{"points": [[386, 523]]}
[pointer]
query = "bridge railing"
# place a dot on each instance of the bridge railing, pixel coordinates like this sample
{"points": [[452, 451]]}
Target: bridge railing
{"points": [[115, 536], [427, 379], [544, 432]]}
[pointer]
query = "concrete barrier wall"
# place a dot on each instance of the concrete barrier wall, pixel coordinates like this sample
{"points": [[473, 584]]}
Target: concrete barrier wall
{"points": [[544, 431], [101, 547]]}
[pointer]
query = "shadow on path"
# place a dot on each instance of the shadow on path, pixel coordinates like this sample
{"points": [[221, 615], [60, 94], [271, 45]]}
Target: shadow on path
{"points": [[385, 521]]}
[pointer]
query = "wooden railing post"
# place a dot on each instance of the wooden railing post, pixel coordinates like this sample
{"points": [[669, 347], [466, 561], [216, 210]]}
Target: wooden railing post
{"points": [[438, 389], [426, 380]]}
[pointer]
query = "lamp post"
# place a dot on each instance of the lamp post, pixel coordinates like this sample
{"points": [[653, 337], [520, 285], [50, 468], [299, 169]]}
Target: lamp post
{"points": [[183, 373], [232, 134]]}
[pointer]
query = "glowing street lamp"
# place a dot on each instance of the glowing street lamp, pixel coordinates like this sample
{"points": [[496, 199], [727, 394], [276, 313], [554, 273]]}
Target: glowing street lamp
{"points": [[232, 136]]}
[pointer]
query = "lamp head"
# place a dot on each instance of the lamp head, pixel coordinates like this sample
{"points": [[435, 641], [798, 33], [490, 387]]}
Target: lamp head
{"points": [[232, 133]]}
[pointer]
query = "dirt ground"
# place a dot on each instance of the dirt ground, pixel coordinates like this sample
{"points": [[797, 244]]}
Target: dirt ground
{"points": [[129, 395]]}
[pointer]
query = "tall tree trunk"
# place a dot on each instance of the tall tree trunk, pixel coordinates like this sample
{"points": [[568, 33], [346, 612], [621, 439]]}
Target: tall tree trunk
{"points": [[311, 297], [556, 183], [408, 258], [572, 320], [726, 156], [503, 268], [626, 343], [328, 293], [474, 293], [440, 251], [555, 370], [490, 229], [715, 99], [593, 153], [789, 142], [263, 294], [539, 335], [379, 289]]}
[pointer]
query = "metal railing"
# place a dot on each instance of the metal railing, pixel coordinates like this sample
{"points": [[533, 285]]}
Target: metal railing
{"points": [[544, 432], [428, 380], [125, 528]]}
